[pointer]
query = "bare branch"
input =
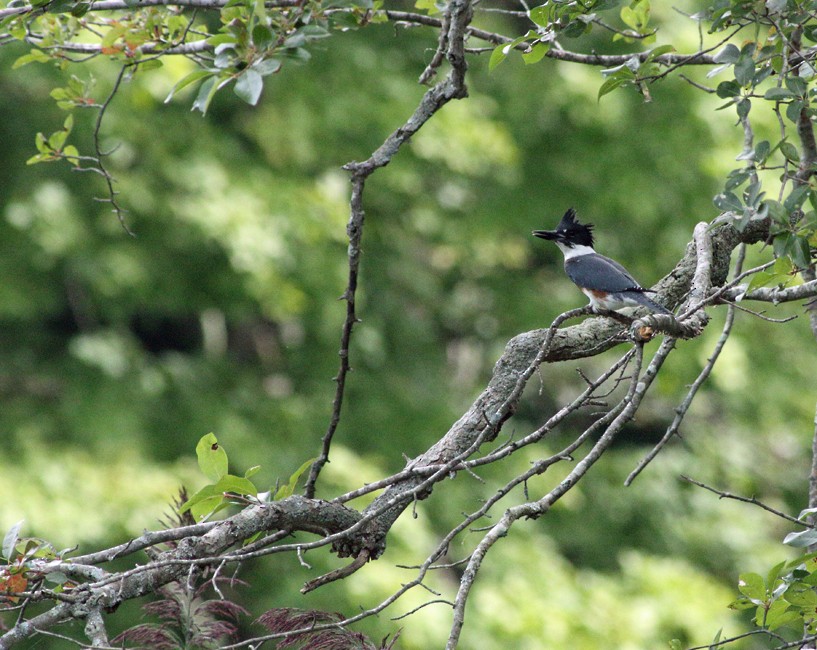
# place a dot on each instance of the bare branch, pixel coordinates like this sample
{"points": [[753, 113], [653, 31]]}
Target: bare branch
{"points": [[458, 14], [638, 388], [682, 409], [95, 629], [752, 500], [773, 295], [293, 513]]}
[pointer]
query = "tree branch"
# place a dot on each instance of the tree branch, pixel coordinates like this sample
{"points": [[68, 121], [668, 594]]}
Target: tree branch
{"points": [[736, 497], [293, 513], [590, 338], [459, 14], [638, 388]]}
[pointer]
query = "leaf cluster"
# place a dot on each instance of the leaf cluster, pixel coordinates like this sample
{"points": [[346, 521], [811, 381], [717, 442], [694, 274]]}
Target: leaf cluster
{"points": [[25, 557], [227, 488]]}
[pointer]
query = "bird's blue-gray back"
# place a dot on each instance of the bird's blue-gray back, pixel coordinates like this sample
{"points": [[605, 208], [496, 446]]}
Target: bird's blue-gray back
{"points": [[594, 272]]}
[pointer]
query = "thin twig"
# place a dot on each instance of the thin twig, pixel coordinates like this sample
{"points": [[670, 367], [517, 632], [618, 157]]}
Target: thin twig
{"points": [[752, 500], [682, 408], [452, 87], [109, 180], [354, 230]]}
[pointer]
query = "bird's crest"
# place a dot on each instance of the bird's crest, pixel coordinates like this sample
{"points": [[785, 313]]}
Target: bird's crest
{"points": [[569, 225]]}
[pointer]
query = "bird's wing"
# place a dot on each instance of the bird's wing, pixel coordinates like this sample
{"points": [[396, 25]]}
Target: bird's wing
{"points": [[600, 273]]}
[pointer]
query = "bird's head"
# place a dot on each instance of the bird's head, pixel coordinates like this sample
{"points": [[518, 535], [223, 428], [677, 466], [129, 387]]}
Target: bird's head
{"points": [[569, 232]]}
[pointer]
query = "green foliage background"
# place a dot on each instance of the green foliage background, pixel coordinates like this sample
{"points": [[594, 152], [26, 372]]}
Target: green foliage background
{"points": [[118, 353]]}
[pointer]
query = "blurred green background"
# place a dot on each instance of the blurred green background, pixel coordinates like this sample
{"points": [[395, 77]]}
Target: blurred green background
{"points": [[117, 353]]}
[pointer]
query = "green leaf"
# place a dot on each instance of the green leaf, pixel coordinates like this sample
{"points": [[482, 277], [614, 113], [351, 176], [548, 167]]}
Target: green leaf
{"points": [[71, 154], [781, 245], [803, 516], [429, 6], [727, 201], [259, 10], [252, 471], [790, 152], [41, 143], [207, 505], [636, 15], [777, 212], [808, 563], [262, 37], [658, 51], [60, 6], [314, 32], [249, 86], [221, 39], [762, 151], [803, 538], [536, 54], [211, 499], [289, 489], [794, 109], [741, 603], [236, 484], [801, 595], [797, 85], [57, 140], [497, 57], [752, 586], [502, 51], [737, 177], [745, 70], [10, 540], [296, 39], [615, 79], [778, 93], [112, 35], [208, 492], [541, 15], [765, 279], [212, 457], [38, 158], [800, 252], [783, 266], [796, 198], [150, 64], [780, 614], [207, 91], [267, 67], [729, 54], [727, 89], [35, 56], [185, 81], [80, 9]]}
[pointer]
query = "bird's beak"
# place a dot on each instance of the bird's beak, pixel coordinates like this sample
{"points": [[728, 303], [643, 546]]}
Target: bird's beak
{"points": [[545, 234]]}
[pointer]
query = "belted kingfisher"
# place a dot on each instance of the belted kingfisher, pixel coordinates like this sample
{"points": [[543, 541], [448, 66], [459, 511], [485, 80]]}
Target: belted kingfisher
{"points": [[608, 284]]}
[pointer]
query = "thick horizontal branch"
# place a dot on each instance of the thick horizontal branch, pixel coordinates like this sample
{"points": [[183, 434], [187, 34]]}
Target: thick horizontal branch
{"points": [[146, 540], [589, 338], [293, 513]]}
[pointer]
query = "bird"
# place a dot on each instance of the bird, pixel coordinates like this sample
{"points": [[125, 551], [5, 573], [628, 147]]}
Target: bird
{"points": [[608, 284]]}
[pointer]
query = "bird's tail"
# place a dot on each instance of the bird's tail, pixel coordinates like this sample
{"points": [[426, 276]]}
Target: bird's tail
{"points": [[642, 299]]}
